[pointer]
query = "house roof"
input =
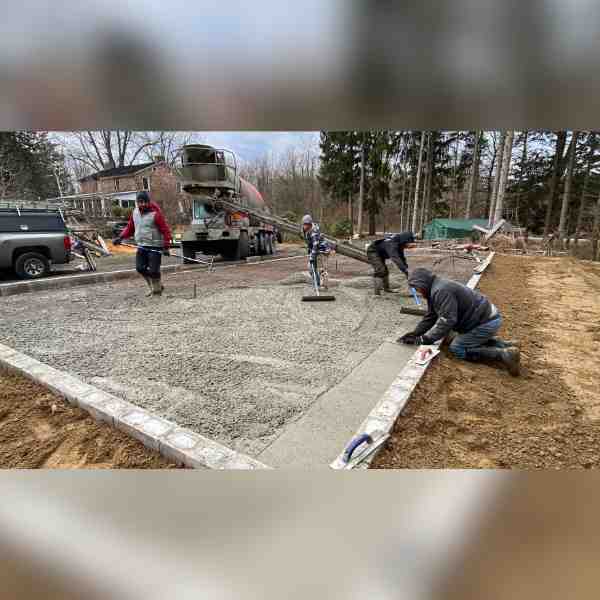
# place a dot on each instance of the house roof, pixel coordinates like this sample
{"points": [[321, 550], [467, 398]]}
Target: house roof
{"points": [[118, 171]]}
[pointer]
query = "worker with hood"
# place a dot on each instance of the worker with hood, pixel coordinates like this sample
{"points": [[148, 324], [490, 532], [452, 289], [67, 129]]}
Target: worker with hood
{"points": [[455, 307], [318, 250], [152, 237], [391, 247]]}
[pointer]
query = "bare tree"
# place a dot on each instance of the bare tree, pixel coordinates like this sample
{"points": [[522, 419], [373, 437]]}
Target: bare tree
{"points": [[418, 182], [105, 148], [497, 178], [361, 193], [592, 139], [166, 144], [562, 227], [507, 155], [474, 176], [561, 138], [596, 231]]}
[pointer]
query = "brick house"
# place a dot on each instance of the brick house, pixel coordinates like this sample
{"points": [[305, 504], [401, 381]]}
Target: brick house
{"points": [[121, 184]]}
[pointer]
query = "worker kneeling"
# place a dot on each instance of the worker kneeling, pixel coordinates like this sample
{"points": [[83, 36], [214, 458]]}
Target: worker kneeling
{"points": [[455, 307]]}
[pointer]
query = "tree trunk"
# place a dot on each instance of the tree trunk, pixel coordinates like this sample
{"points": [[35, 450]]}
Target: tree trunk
{"points": [[403, 202], [491, 180], [562, 227], [372, 223], [596, 231], [582, 201], [417, 185], [508, 144], [497, 178], [455, 195], [361, 193], [474, 176], [561, 139], [350, 213], [428, 179], [521, 178]]}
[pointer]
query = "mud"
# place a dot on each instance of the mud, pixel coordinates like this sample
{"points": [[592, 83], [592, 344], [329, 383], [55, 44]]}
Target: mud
{"points": [[38, 429], [473, 415]]}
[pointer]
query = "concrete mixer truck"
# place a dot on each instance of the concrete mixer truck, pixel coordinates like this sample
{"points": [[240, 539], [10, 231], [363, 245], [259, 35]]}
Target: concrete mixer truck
{"points": [[209, 175]]}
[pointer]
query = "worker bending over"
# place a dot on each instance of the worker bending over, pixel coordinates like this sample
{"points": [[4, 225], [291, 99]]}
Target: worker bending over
{"points": [[318, 251], [390, 247], [453, 306], [152, 237]]}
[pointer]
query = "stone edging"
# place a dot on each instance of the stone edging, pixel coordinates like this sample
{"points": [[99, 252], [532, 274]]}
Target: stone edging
{"points": [[382, 418], [173, 442]]}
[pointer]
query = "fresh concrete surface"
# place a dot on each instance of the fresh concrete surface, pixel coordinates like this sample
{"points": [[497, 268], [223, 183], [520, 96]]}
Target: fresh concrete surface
{"points": [[245, 363], [317, 437]]}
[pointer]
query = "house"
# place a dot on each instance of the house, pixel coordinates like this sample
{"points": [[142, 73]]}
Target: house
{"points": [[118, 186]]}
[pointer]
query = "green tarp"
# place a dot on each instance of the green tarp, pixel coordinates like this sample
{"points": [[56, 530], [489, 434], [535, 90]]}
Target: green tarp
{"points": [[447, 229]]}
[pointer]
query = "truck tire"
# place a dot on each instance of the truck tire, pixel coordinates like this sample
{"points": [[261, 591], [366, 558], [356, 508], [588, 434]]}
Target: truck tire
{"points": [[243, 246], [32, 265], [188, 251]]}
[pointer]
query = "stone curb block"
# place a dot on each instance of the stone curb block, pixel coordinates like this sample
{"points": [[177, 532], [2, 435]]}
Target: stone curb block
{"points": [[173, 442], [385, 413]]}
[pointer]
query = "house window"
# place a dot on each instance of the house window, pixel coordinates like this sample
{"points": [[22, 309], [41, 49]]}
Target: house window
{"points": [[116, 185], [146, 183]]}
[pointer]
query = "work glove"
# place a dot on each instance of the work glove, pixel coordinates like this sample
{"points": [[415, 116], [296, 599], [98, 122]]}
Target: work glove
{"points": [[408, 338], [116, 241], [416, 340], [166, 252]]}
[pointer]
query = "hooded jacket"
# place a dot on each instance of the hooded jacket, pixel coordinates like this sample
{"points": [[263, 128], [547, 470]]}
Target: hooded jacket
{"points": [[392, 247], [149, 227], [452, 306]]}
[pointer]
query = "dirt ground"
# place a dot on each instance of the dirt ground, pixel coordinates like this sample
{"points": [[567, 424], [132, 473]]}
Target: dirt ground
{"points": [[38, 429], [473, 415]]}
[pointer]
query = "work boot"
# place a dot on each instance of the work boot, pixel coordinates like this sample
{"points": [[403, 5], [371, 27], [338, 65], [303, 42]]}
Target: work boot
{"points": [[378, 283], [386, 285], [500, 343], [510, 357], [157, 287], [149, 283]]}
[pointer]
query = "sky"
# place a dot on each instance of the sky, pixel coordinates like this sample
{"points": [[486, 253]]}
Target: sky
{"points": [[250, 145]]}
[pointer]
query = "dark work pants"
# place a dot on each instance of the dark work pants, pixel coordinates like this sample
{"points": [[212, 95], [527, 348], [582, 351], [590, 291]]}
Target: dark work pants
{"points": [[379, 267], [148, 263]]}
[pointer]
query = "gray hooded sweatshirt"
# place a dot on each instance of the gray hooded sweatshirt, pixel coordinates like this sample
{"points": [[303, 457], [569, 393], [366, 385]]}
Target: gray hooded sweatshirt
{"points": [[452, 306]]}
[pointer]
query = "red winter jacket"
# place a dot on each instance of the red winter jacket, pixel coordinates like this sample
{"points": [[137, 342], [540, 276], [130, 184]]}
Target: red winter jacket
{"points": [[159, 221]]}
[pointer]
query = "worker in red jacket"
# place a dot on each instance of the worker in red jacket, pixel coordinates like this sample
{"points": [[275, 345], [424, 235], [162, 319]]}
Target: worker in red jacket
{"points": [[153, 239]]}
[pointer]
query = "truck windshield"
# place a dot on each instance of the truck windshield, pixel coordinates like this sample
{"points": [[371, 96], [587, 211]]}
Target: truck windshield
{"points": [[202, 210]]}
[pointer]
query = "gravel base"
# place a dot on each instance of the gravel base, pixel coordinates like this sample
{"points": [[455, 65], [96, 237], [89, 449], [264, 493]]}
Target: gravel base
{"points": [[236, 364]]}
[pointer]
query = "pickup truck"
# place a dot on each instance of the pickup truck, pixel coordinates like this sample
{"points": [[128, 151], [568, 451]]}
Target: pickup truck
{"points": [[32, 240]]}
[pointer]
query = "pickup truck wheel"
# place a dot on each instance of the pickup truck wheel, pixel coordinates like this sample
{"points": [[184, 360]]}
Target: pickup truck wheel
{"points": [[32, 265], [243, 248]]}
